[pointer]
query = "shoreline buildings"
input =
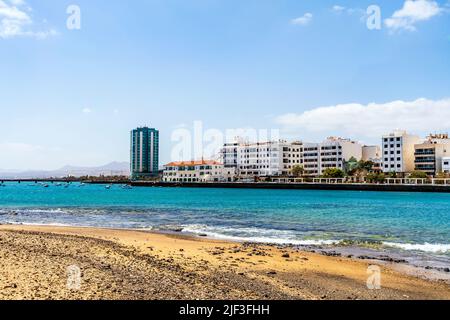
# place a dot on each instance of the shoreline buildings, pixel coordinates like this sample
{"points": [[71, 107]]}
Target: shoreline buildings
{"points": [[198, 171], [429, 154], [398, 152], [278, 158], [401, 153], [144, 153]]}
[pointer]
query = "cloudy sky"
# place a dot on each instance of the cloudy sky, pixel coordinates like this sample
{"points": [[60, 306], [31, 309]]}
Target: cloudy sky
{"points": [[309, 68]]}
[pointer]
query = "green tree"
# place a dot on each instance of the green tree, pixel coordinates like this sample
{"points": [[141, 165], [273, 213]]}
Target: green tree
{"points": [[333, 173], [418, 175], [373, 177], [351, 166], [354, 167], [298, 170]]}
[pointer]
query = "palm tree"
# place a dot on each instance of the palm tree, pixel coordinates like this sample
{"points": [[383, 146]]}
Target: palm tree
{"points": [[298, 170]]}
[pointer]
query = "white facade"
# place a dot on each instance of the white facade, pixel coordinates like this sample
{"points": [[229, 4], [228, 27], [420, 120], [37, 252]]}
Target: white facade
{"points": [[198, 171], [371, 153], [311, 159], [429, 154], [335, 151], [229, 154], [279, 158], [274, 158], [398, 152], [292, 156], [446, 164], [260, 159]]}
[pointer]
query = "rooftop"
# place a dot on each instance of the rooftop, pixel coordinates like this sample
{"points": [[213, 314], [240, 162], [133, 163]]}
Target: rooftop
{"points": [[193, 163]]}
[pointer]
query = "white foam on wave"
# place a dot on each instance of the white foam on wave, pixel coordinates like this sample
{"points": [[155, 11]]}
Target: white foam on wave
{"points": [[256, 235], [426, 247]]}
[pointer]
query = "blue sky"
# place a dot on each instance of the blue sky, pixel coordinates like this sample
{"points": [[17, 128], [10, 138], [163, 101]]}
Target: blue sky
{"points": [[309, 68]]}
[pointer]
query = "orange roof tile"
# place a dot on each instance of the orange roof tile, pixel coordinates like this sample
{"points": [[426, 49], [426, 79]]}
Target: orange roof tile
{"points": [[193, 163]]}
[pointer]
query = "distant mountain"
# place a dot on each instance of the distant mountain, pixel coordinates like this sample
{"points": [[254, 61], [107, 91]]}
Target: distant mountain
{"points": [[110, 169]]}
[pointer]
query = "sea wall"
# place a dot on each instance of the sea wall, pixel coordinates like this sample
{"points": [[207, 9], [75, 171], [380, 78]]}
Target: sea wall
{"points": [[303, 186]]}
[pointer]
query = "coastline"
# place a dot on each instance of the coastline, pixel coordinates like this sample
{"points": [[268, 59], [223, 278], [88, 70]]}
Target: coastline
{"points": [[131, 264]]}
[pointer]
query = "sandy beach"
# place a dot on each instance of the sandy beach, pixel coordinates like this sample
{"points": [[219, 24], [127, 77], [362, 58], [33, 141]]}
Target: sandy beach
{"points": [[122, 264]]}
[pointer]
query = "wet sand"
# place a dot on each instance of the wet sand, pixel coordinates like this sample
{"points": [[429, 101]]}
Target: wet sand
{"points": [[122, 264]]}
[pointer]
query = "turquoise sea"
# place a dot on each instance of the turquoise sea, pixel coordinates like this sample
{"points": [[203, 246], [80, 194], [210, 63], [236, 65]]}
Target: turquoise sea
{"points": [[411, 223]]}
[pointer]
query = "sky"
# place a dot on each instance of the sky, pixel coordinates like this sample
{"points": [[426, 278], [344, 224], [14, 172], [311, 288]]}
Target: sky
{"points": [[310, 69]]}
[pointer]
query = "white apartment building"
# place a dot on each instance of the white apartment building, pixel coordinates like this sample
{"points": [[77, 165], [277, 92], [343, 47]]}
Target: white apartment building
{"points": [[398, 152], [446, 165], [273, 158], [292, 156], [335, 151], [278, 158], [198, 171], [429, 154], [311, 159], [261, 159], [371, 153], [229, 154]]}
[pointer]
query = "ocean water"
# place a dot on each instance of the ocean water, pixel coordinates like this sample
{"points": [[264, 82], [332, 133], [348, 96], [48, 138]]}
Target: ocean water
{"points": [[413, 223]]}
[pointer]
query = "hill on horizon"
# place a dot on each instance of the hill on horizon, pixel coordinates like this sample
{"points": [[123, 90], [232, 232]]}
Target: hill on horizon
{"points": [[111, 169]]}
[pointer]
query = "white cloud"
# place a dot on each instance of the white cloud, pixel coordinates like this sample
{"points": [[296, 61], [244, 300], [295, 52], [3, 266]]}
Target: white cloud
{"points": [[368, 122], [15, 21], [87, 110], [338, 8], [303, 20], [413, 11]]}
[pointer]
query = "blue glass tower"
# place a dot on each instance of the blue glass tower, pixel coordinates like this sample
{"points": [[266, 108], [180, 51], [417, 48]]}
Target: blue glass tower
{"points": [[144, 153]]}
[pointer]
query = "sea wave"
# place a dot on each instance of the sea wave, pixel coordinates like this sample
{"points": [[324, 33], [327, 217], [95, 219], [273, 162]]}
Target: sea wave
{"points": [[426, 247], [285, 237], [257, 235]]}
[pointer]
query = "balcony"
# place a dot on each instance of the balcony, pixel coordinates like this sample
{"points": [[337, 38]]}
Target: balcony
{"points": [[424, 152]]}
